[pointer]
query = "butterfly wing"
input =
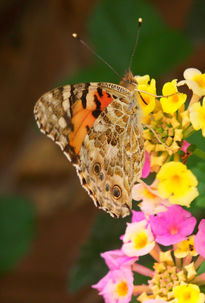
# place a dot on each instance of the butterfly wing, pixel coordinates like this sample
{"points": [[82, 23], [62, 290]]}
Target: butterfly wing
{"points": [[92, 124]]}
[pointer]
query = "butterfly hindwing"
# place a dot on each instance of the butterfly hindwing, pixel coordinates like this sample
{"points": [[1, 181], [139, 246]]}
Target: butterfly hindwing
{"points": [[112, 156]]}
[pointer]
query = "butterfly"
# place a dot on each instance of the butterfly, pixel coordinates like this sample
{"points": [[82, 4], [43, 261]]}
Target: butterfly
{"points": [[97, 126]]}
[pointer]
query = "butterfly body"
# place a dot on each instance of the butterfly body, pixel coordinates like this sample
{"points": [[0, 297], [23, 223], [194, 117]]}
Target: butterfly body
{"points": [[97, 126]]}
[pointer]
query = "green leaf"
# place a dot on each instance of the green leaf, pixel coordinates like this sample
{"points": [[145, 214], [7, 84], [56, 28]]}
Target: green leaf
{"points": [[201, 269], [113, 27], [198, 170], [104, 236], [17, 230], [197, 166], [198, 140]]}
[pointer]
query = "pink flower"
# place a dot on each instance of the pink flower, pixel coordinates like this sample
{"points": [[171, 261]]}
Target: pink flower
{"points": [[185, 146], [115, 259], [146, 168], [137, 216], [172, 226], [199, 240], [116, 286]]}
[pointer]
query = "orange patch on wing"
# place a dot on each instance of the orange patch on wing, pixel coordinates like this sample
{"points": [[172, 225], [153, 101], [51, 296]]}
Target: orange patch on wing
{"points": [[83, 118], [80, 122], [105, 99]]}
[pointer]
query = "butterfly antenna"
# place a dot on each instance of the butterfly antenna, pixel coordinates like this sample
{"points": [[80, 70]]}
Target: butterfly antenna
{"points": [[76, 36], [136, 41]]}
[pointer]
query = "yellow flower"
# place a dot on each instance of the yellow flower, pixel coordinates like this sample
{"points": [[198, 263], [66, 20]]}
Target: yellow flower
{"points": [[195, 80], [197, 116], [188, 293], [142, 79], [171, 104], [146, 101], [177, 183], [185, 247]]}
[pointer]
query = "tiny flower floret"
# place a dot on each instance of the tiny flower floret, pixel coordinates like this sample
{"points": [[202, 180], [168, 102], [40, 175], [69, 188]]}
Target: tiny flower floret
{"points": [[116, 286], [116, 259], [137, 216], [185, 247], [195, 80], [199, 240], [185, 146], [172, 103], [138, 239], [177, 183], [172, 226], [151, 201], [147, 101], [197, 116], [188, 293]]}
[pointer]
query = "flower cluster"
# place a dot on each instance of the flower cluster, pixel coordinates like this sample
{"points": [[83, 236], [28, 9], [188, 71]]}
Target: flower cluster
{"points": [[173, 276], [170, 120], [163, 228]]}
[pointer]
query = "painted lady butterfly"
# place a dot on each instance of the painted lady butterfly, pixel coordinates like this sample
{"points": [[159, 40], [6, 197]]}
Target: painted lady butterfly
{"points": [[97, 126]]}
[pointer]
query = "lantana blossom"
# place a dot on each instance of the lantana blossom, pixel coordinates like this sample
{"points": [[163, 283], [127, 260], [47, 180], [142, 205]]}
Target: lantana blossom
{"points": [[185, 146], [138, 239], [199, 240], [172, 103], [116, 286], [152, 202], [137, 216], [172, 226], [177, 183], [185, 247], [115, 259], [197, 116], [147, 101], [188, 293], [195, 80]]}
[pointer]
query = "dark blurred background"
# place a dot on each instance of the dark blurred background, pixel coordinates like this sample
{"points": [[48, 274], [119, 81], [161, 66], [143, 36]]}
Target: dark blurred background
{"points": [[45, 216]]}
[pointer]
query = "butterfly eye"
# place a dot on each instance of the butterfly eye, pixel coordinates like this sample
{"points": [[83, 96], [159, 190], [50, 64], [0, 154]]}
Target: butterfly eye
{"points": [[96, 168], [117, 192]]}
